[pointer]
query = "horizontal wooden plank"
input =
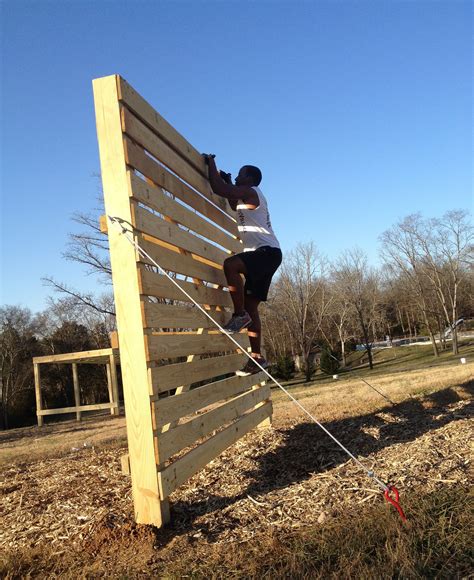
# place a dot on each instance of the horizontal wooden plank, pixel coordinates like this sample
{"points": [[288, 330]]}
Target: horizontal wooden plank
{"points": [[151, 224], [183, 468], [155, 198], [172, 260], [185, 434], [178, 316], [166, 377], [158, 285], [142, 109], [183, 404], [168, 345], [162, 177], [86, 356], [63, 410], [144, 137]]}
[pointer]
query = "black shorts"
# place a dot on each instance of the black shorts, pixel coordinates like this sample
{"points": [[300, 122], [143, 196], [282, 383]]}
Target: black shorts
{"points": [[261, 264]]}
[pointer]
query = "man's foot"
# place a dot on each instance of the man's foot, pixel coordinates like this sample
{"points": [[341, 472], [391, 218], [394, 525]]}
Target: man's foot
{"points": [[251, 368], [238, 322]]}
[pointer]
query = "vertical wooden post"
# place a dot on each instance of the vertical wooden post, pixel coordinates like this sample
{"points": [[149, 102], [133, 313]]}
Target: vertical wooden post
{"points": [[149, 508], [112, 368], [39, 399], [77, 394], [109, 387], [268, 422]]}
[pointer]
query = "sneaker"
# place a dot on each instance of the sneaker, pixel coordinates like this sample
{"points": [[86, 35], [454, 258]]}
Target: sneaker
{"points": [[238, 322], [251, 368]]}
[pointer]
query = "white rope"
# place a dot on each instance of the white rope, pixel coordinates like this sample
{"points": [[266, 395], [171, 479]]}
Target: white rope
{"points": [[129, 236]]}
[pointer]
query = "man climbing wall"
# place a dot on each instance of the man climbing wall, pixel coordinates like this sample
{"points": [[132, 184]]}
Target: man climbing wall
{"points": [[261, 256]]}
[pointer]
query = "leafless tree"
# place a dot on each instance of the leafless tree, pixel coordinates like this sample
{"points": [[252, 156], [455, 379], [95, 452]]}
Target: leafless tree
{"points": [[402, 253], [339, 318], [18, 343], [88, 247], [435, 255], [448, 246], [304, 298], [358, 284]]}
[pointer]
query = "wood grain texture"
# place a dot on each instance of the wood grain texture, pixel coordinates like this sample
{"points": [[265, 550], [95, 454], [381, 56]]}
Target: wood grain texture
{"points": [[136, 103], [168, 345], [173, 261], [117, 192], [153, 225], [158, 285], [179, 316]]}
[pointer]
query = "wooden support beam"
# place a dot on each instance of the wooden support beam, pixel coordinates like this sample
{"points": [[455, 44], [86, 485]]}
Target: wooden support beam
{"points": [[125, 464], [86, 356], [77, 393], [64, 410], [109, 386], [39, 399], [114, 381], [103, 226], [149, 509]]}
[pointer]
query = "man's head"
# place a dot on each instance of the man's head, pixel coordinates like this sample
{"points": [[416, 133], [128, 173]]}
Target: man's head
{"points": [[249, 175]]}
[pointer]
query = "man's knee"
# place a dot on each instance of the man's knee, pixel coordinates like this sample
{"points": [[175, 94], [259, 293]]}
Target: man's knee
{"points": [[233, 264]]}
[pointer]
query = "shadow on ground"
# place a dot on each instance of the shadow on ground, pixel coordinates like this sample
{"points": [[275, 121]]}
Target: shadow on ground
{"points": [[306, 450]]}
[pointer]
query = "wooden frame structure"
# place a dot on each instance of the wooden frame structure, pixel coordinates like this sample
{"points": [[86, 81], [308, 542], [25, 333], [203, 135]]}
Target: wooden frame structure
{"points": [[158, 183], [107, 356]]}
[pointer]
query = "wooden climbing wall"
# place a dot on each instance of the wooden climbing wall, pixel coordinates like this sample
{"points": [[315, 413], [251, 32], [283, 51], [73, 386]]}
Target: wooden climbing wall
{"points": [[184, 405]]}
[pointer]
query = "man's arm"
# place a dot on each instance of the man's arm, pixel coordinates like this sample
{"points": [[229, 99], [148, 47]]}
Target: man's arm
{"points": [[231, 192], [227, 177]]}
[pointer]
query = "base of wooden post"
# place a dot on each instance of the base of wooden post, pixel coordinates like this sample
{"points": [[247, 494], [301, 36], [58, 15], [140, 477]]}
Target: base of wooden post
{"points": [[125, 464], [268, 422]]}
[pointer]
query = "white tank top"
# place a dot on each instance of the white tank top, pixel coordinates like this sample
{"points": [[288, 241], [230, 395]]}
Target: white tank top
{"points": [[255, 227]]}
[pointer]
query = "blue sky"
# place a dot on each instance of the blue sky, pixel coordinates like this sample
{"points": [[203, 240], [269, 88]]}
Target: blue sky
{"points": [[358, 113]]}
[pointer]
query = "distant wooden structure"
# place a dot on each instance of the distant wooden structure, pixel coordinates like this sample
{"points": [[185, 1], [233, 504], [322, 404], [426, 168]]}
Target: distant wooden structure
{"points": [[107, 356], [157, 182]]}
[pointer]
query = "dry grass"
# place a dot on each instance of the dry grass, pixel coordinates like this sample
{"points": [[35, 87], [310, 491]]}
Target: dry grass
{"points": [[280, 503], [345, 397], [57, 439]]}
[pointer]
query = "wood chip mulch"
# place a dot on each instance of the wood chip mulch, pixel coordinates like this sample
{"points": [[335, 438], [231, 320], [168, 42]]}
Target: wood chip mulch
{"points": [[287, 477]]}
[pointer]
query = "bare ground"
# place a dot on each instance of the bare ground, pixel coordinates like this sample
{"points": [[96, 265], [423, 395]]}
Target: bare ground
{"points": [[70, 514]]}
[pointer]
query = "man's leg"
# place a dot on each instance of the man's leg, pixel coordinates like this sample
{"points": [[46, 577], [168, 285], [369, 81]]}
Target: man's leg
{"points": [[234, 267], [255, 328], [255, 338]]}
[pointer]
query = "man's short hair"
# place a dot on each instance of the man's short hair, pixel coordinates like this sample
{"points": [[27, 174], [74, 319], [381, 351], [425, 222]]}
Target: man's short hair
{"points": [[254, 173]]}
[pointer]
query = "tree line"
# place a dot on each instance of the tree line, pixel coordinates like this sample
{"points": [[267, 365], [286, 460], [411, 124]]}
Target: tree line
{"points": [[64, 326], [422, 287]]}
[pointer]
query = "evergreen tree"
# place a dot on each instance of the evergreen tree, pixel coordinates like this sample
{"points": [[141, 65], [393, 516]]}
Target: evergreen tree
{"points": [[329, 363]]}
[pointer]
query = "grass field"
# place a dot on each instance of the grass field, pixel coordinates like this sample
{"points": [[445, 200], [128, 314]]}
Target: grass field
{"points": [[281, 503]]}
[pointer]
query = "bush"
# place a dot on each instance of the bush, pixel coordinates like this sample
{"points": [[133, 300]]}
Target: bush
{"points": [[329, 363], [285, 367]]}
